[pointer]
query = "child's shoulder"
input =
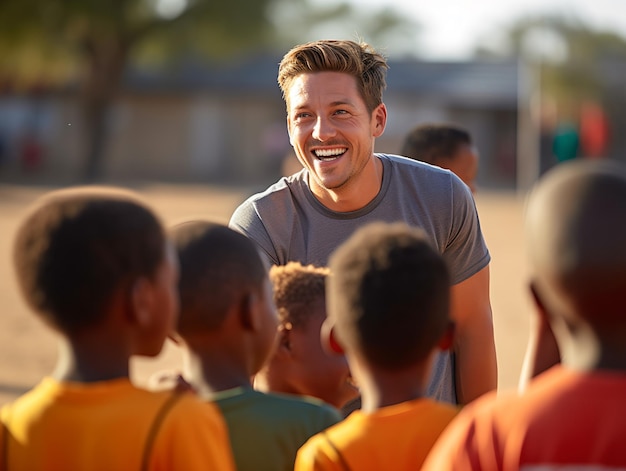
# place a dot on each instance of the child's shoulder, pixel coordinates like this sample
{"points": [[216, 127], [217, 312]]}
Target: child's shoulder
{"points": [[278, 406], [291, 402]]}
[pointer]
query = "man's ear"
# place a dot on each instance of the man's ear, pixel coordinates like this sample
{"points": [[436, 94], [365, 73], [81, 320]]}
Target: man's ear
{"points": [[141, 302], [330, 343], [379, 120], [447, 339], [289, 130]]}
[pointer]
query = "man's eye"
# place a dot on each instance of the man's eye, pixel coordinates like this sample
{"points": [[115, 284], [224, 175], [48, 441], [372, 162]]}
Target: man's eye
{"points": [[302, 115], [341, 112]]}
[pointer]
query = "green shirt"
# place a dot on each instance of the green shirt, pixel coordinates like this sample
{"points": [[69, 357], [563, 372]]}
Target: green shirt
{"points": [[266, 430]]}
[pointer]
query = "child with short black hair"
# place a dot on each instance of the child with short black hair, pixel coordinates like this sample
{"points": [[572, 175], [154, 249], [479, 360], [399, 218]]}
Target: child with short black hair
{"points": [[96, 266], [446, 146], [228, 328], [388, 309]]}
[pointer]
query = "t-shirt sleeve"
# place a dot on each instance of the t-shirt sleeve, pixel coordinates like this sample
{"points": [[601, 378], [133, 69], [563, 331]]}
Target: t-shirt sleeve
{"points": [[317, 454], [466, 251], [193, 437], [246, 220], [3, 434], [331, 416], [467, 442]]}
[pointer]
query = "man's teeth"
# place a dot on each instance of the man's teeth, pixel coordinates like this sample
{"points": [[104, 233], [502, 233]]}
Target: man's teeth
{"points": [[329, 153]]}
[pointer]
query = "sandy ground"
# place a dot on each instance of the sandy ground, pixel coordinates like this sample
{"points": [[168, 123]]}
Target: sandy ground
{"points": [[28, 348]]}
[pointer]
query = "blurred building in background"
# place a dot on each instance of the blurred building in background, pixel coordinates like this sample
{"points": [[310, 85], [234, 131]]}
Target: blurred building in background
{"points": [[203, 123], [227, 124]]}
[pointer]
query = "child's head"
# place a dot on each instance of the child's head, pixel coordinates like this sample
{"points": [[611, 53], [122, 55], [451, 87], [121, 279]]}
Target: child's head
{"points": [[446, 146], [388, 297], [80, 250], [576, 234], [300, 361], [223, 283]]}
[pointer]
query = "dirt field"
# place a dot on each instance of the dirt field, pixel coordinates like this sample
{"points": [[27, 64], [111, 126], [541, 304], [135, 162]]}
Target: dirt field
{"points": [[28, 351]]}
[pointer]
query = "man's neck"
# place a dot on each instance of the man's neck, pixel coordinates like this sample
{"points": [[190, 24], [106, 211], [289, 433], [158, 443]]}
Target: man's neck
{"points": [[356, 193]]}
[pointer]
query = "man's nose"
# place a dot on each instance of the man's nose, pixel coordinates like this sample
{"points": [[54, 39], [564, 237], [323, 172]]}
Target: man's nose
{"points": [[323, 129]]}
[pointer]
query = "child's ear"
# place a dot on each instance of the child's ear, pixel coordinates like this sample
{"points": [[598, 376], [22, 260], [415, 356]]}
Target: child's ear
{"points": [[141, 302], [329, 338], [247, 312], [540, 307], [283, 339], [175, 338], [446, 340], [543, 350]]}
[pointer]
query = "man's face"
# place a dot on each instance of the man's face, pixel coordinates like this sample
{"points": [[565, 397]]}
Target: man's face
{"points": [[331, 129]]}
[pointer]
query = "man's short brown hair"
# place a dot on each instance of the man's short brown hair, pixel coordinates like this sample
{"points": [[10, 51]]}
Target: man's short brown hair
{"points": [[360, 60]]}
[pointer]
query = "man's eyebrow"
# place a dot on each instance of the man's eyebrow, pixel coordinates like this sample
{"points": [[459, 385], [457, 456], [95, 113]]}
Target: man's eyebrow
{"points": [[341, 103]]}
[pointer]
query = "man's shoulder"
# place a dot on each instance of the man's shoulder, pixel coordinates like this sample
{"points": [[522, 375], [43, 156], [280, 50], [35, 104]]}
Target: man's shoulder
{"points": [[283, 189], [415, 173], [413, 165], [278, 200]]}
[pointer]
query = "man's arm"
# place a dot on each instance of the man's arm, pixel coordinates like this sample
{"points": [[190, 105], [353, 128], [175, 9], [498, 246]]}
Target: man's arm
{"points": [[474, 346]]}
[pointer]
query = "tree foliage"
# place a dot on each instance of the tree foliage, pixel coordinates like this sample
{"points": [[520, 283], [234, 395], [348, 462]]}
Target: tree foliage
{"points": [[296, 21], [45, 42], [569, 54], [94, 39]]}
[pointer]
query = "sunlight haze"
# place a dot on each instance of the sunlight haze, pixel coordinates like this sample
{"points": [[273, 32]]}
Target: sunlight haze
{"points": [[451, 29]]}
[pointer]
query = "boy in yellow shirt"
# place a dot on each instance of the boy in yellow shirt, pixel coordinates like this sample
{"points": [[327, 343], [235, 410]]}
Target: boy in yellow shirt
{"points": [[388, 309], [95, 265]]}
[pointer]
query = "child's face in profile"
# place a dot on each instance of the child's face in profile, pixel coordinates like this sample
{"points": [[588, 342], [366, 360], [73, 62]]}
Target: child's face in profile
{"points": [[318, 373]]}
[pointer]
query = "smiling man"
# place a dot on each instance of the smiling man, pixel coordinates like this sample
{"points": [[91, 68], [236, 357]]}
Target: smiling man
{"points": [[333, 92]]}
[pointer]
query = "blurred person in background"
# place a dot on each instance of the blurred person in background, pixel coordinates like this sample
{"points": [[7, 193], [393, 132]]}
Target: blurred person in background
{"points": [[446, 146]]}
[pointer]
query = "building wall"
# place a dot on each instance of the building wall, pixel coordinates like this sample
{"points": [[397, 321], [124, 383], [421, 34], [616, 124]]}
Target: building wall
{"points": [[204, 136]]}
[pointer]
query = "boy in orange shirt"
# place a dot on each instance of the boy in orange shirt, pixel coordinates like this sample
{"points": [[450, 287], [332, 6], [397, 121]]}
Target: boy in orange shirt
{"points": [[573, 415], [388, 309], [95, 265]]}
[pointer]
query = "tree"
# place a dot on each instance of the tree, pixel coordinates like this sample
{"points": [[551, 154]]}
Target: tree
{"points": [[569, 53], [297, 21], [580, 73], [96, 38], [52, 41]]}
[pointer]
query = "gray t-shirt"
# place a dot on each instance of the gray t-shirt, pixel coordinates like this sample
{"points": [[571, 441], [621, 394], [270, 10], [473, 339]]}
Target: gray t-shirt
{"points": [[290, 224]]}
